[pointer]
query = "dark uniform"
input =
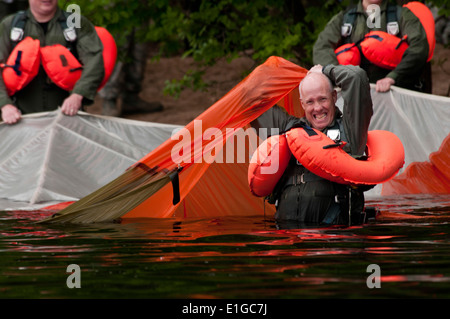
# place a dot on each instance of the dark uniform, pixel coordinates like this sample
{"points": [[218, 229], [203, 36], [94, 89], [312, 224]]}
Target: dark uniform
{"points": [[410, 72], [41, 94], [302, 197]]}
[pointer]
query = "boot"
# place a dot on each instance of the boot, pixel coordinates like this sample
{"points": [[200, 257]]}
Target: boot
{"points": [[132, 103], [110, 107]]}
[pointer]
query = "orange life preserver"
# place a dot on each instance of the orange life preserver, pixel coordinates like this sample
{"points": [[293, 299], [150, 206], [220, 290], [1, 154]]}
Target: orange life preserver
{"points": [[61, 66], [22, 65], [426, 18], [385, 152], [380, 48], [267, 164], [65, 70], [348, 54], [109, 53], [58, 62], [383, 49]]}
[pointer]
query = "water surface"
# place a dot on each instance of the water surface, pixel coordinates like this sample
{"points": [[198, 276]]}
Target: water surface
{"points": [[232, 257]]}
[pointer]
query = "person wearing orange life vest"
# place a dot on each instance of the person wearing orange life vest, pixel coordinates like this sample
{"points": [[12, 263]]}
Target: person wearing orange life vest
{"points": [[43, 22], [301, 197], [393, 19]]}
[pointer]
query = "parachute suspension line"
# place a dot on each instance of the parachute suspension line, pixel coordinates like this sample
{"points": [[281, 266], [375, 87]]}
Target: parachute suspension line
{"points": [[115, 199]]}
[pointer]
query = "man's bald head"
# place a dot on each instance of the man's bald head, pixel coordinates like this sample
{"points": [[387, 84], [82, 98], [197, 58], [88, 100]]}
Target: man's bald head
{"points": [[318, 98], [314, 78]]}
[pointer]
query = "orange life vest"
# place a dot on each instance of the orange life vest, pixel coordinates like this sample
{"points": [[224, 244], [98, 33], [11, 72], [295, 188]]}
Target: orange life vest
{"points": [[268, 164], [109, 53], [426, 18], [22, 65], [61, 66], [348, 54], [385, 152], [383, 49], [59, 63]]}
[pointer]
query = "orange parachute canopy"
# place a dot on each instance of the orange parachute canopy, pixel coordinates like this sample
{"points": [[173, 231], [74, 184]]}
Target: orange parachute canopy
{"points": [[203, 159], [275, 81]]}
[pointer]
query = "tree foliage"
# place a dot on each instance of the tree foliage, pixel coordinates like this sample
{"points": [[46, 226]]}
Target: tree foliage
{"points": [[211, 30]]}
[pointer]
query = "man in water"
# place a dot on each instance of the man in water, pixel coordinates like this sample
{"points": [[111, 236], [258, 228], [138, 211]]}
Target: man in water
{"points": [[301, 197]]}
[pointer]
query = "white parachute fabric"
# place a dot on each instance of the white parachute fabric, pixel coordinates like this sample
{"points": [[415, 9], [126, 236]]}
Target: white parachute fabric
{"points": [[421, 121], [49, 157]]}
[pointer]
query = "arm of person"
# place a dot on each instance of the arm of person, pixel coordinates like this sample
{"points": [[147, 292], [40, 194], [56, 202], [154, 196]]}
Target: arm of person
{"points": [[327, 41], [357, 112], [414, 58], [90, 53], [72, 104], [272, 122], [10, 113]]}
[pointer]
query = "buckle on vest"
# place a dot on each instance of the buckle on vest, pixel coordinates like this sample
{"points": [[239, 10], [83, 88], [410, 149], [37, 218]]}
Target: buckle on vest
{"points": [[393, 28], [70, 34], [16, 34], [299, 179], [346, 29]]}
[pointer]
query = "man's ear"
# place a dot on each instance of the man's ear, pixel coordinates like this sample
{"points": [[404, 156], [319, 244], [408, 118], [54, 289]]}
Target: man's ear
{"points": [[334, 94]]}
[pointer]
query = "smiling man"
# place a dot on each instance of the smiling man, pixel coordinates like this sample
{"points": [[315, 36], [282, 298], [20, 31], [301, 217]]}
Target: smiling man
{"points": [[301, 197]]}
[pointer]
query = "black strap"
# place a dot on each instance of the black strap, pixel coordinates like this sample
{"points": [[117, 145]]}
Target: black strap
{"points": [[391, 13], [350, 16], [297, 124], [16, 65], [18, 22], [21, 18], [174, 178]]}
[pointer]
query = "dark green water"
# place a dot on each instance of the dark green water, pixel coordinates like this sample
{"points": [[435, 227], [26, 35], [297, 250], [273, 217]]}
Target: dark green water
{"points": [[231, 257]]}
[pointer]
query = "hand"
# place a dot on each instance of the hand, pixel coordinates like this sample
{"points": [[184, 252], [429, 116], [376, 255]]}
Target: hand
{"points": [[317, 68], [72, 104], [11, 114], [384, 85]]}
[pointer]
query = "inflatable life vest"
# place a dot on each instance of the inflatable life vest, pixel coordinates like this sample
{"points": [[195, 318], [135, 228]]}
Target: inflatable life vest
{"points": [[425, 16], [65, 70], [109, 53], [321, 156], [61, 66], [348, 54], [380, 48], [268, 164], [385, 49], [22, 65], [58, 62]]}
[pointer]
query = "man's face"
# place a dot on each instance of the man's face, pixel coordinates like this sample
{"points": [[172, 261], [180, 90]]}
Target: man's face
{"points": [[318, 101], [43, 7]]}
